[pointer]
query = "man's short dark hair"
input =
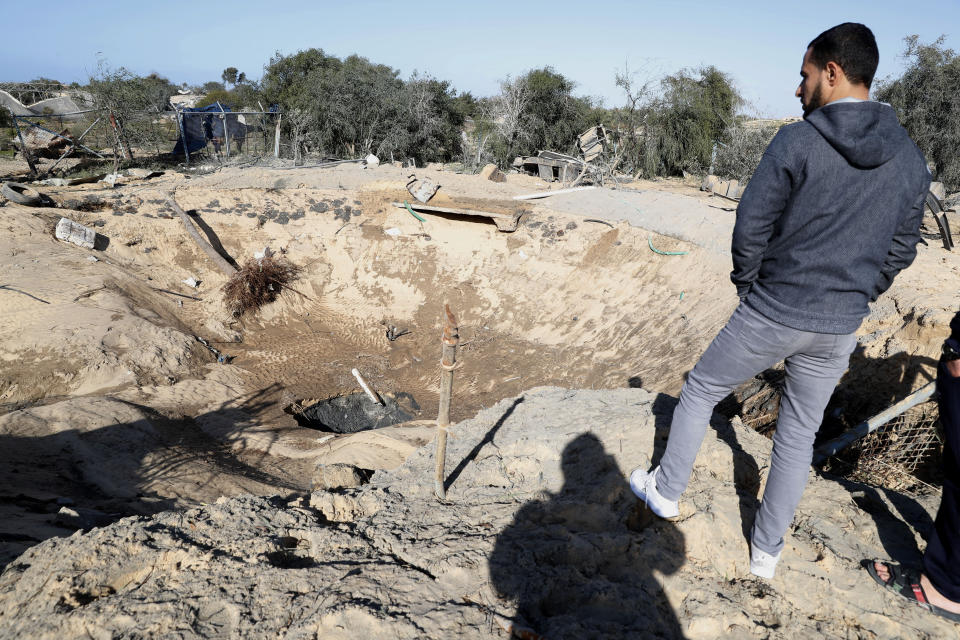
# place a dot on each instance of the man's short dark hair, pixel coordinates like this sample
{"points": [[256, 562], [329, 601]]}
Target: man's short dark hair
{"points": [[852, 46]]}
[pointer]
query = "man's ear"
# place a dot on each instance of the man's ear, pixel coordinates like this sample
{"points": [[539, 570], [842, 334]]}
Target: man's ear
{"points": [[834, 73]]}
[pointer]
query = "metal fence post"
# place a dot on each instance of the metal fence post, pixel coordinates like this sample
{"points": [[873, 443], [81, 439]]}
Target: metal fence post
{"points": [[183, 136]]}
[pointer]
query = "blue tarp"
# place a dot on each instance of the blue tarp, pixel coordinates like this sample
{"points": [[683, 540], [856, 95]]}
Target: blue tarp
{"points": [[203, 124]]}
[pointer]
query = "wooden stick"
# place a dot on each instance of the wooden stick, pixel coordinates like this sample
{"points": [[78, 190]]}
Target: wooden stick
{"points": [[448, 360], [218, 259]]}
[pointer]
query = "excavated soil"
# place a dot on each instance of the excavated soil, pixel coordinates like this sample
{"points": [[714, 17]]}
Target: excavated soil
{"points": [[111, 406]]}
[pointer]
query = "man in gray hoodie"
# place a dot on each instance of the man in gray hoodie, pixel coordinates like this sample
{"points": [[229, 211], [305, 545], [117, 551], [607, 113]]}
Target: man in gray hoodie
{"points": [[831, 215]]}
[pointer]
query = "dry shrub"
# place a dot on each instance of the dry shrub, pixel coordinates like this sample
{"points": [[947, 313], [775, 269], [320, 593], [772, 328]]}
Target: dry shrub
{"points": [[258, 282]]}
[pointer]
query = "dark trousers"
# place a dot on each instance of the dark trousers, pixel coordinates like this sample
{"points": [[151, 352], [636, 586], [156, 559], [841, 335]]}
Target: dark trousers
{"points": [[941, 562]]}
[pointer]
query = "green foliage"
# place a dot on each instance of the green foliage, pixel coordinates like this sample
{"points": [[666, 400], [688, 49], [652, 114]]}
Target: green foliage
{"points": [[536, 111], [229, 75], [207, 87], [672, 127], [242, 96], [553, 117], [353, 107], [927, 100], [687, 120], [222, 96]]}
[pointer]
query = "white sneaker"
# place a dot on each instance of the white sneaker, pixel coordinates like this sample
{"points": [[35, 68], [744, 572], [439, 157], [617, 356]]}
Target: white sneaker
{"points": [[762, 564], [644, 486]]}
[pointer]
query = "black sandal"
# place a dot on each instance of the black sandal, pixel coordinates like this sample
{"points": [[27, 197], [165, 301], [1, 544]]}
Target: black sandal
{"points": [[906, 583]]}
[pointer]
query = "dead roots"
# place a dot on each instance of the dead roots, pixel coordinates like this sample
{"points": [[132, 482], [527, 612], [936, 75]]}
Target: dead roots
{"points": [[258, 282]]}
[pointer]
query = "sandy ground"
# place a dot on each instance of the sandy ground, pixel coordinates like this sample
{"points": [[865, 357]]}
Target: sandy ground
{"points": [[111, 407], [540, 532]]}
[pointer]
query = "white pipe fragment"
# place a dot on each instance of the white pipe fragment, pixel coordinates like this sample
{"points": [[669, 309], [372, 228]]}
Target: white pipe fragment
{"points": [[368, 390], [544, 194]]}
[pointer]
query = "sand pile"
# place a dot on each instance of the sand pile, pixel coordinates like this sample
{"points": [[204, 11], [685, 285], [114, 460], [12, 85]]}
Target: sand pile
{"points": [[541, 526]]}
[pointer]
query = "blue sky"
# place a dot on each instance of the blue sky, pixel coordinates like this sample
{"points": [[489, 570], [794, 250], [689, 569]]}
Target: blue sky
{"points": [[474, 45]]}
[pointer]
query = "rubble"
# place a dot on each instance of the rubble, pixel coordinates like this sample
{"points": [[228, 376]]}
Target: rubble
{"points": [[492, 173], [726, 188], [338, 475], [69, 231], [593, 142], [422, 190], [42, 143], [550, 166]]}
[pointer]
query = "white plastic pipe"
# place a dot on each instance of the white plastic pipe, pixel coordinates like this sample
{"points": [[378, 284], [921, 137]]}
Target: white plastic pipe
{"points": [[544, 194], [373, 396]]}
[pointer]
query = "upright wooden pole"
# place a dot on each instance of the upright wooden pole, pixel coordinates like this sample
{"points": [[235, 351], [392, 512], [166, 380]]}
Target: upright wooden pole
{"points": [[448, 360]]}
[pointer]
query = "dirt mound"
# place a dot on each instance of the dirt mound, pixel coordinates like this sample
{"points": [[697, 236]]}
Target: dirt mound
{"points": [[541, 525]]}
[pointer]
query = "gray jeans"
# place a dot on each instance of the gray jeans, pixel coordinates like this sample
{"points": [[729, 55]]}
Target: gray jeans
{"points": [[747, 345]]}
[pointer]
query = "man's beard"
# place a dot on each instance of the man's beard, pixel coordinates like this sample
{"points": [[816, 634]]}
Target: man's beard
{"points": [[815, 101]]}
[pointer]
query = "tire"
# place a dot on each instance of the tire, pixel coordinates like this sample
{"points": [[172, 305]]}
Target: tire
{"points": [[21, 194]]}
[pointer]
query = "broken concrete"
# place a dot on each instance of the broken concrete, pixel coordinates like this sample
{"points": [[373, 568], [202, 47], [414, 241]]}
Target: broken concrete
{"points": [[70, 231]]}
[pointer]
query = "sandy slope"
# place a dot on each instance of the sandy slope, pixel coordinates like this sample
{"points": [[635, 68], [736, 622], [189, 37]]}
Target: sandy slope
{"points": [[540, 527]]}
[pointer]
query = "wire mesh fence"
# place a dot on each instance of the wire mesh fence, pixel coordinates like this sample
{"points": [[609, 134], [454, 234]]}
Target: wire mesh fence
{"points": [[904, 455], [172, 136]]}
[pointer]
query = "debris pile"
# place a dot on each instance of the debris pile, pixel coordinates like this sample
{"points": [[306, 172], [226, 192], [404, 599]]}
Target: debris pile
{"points": [[726, 188]]}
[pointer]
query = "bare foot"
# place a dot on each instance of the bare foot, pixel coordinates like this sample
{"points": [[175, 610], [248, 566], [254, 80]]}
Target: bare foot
{"points": [[933, 596]]}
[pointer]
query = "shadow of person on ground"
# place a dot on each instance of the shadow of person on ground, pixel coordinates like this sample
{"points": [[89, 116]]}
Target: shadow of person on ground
{"points": [[575, 569], [54, 480], [487, 438]]}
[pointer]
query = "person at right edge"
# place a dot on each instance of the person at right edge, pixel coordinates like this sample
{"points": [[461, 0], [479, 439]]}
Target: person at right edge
{"points": [[936, 586], [830, 217]]}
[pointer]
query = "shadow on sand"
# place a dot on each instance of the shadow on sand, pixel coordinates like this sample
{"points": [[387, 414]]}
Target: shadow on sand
{"points": [[579, 564]]}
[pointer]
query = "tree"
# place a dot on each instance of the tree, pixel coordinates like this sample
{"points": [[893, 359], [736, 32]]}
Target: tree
{"points": [[682, 124], [533, 112], [126, 97], [229, 76], [927, 100], [554, 117], [504, 119], [354, 106]]}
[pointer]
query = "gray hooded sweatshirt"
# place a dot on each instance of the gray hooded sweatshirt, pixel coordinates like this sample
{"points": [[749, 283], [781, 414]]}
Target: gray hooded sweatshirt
{"points": [[831, 215]]}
